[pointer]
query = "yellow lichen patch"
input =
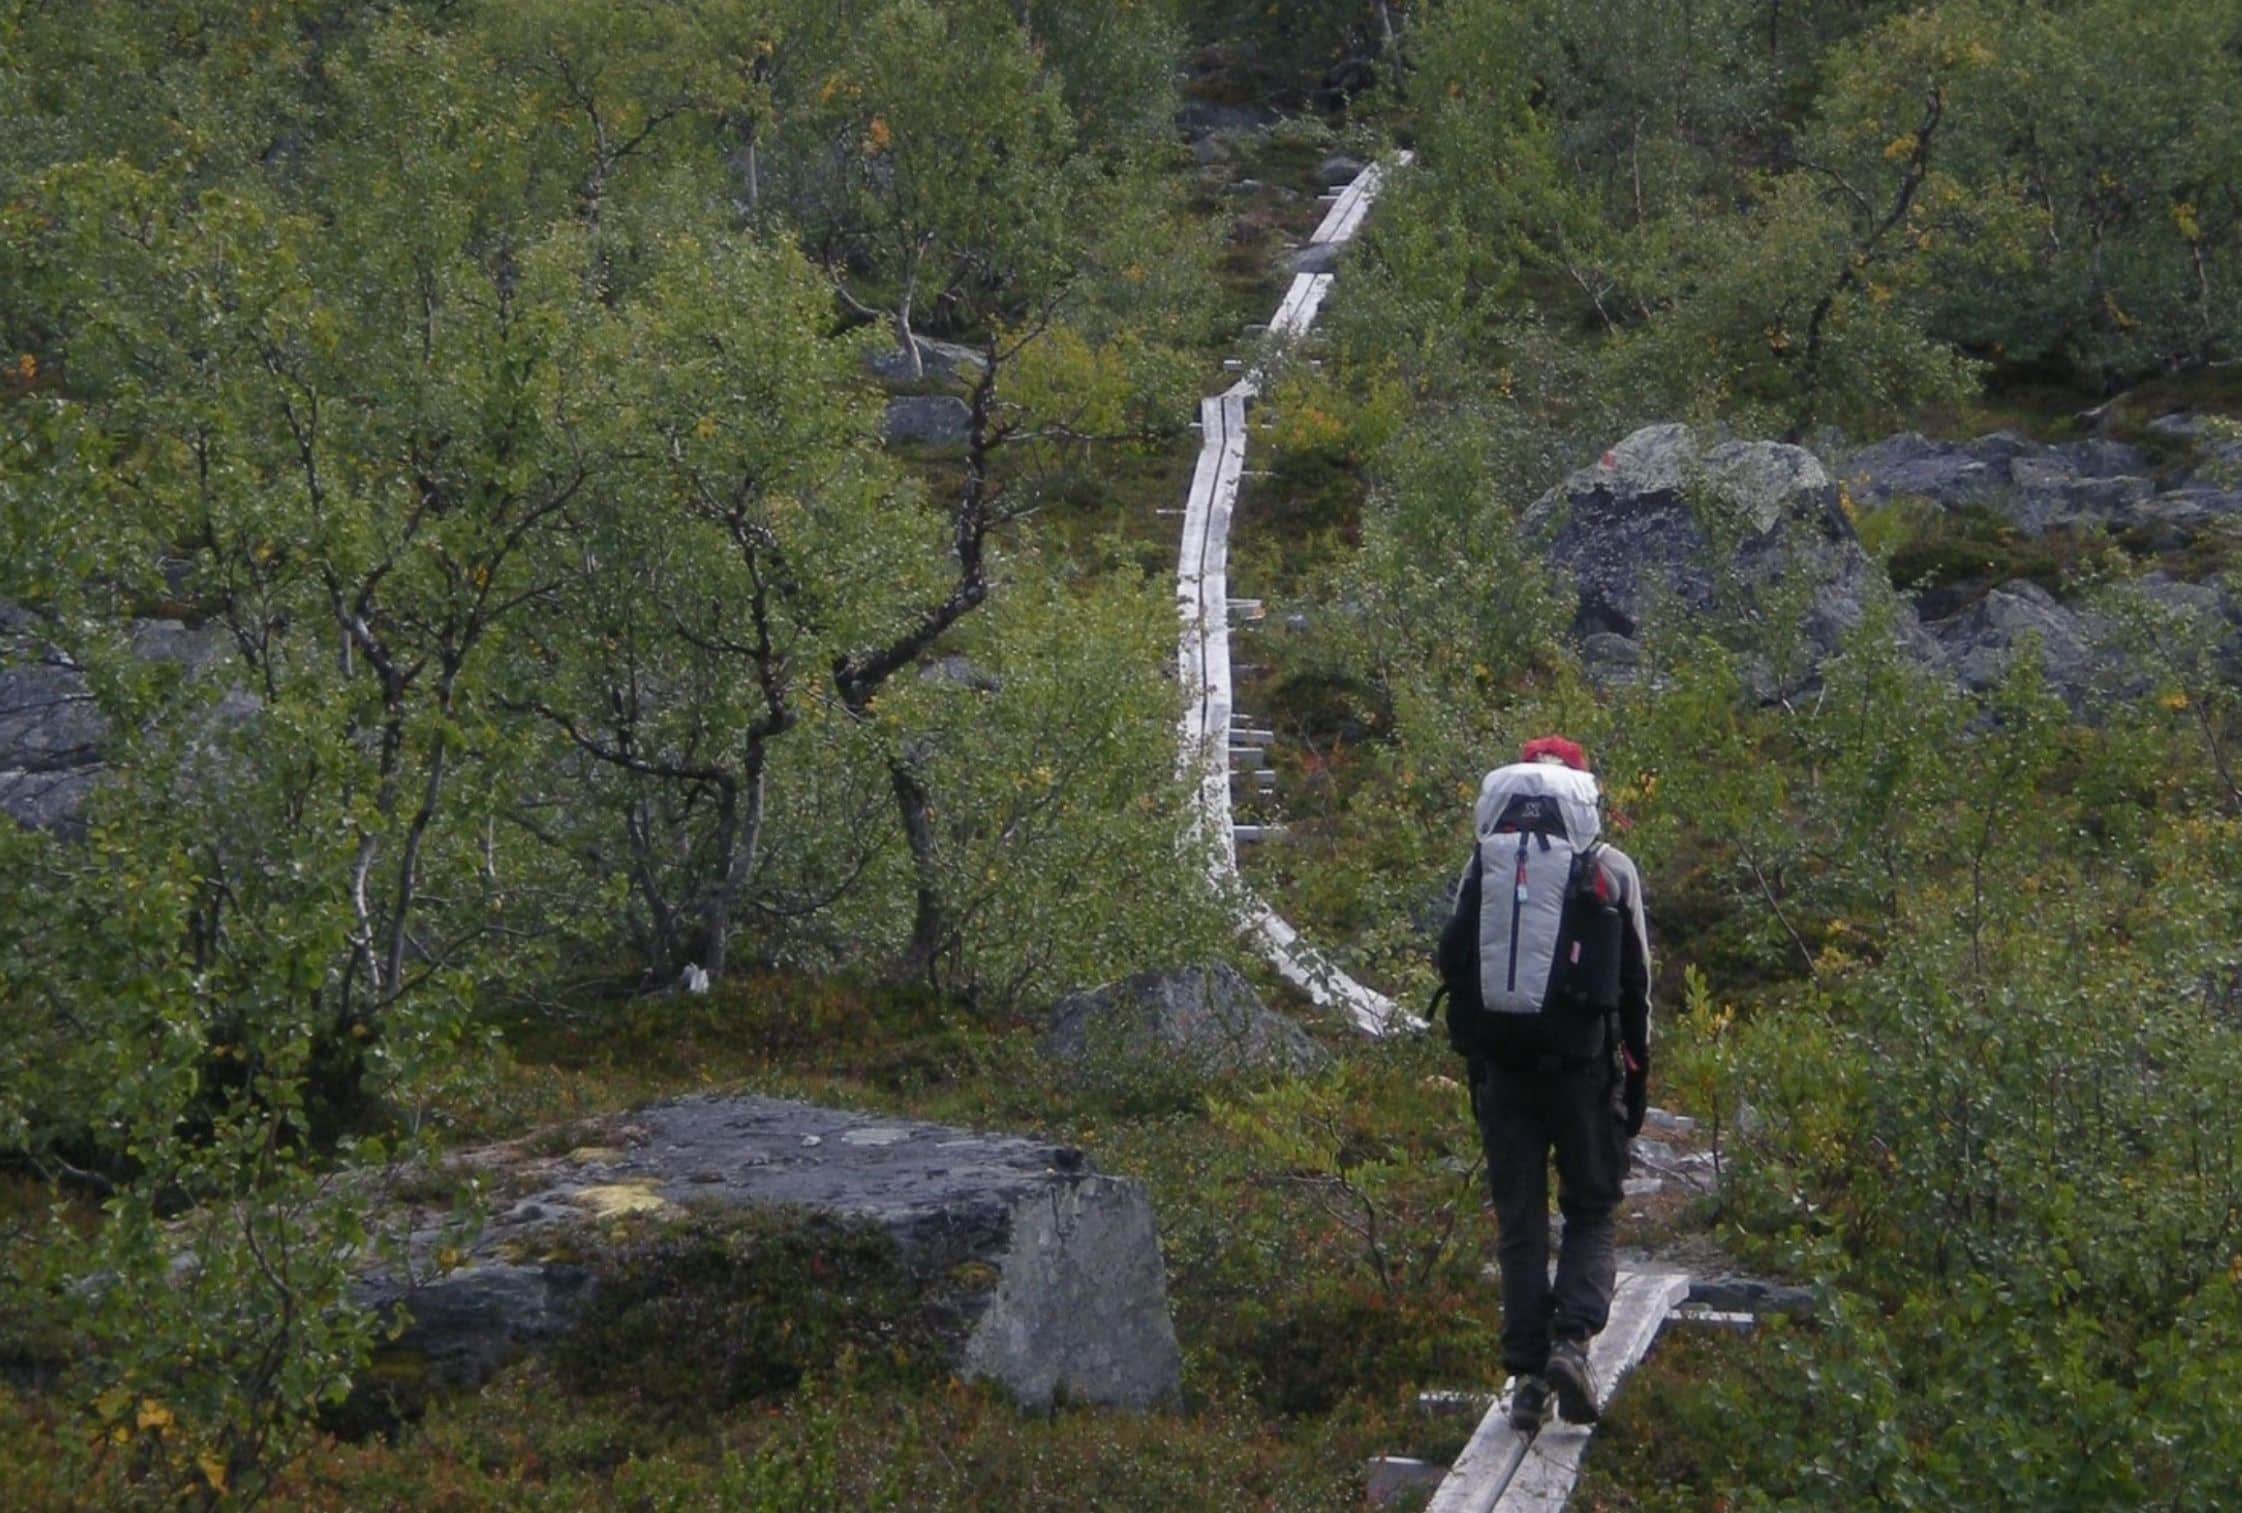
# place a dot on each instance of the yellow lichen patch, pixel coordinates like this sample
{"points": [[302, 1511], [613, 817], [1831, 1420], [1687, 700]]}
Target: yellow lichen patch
{"points": [[614, 1199], [587, 1155], [974, 1274]]}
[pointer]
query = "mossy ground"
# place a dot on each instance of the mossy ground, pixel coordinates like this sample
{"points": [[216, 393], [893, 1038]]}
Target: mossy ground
{"points": [[785, 1364]]}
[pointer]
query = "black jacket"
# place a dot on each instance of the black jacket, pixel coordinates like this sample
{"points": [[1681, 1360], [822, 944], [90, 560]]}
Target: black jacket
{"points": [[1518, 1037]]}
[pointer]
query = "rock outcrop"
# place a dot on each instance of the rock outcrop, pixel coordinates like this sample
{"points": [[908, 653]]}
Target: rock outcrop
{"points": [[927, 422], [1197, 119], [51, 738], [942, 364], [2096, 484], [1066, 1297], [1714, 528], [1979, 644], [1208, 1019], [54, 738], [1339, 170], [1744, 530]]}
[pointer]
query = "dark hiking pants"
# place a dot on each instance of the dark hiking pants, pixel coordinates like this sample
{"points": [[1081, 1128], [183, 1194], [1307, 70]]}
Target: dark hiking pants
{"points": [[1525, 1111]]}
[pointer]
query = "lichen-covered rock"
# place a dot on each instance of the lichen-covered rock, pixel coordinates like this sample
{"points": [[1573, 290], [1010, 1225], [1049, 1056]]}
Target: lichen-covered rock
{"points": [[1207, 1018], [1911, 466], [927, 421], [941, 363], [1716, 529], [1981, 642], [2183, 516], [53, 735], [1067, 1296], [2091, 485]]}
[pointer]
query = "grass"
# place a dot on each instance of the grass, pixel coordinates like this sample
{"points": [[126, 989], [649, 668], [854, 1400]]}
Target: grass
{"points": [[840, 1444], [760, 1366], [1660, 1447], [1932, 553]]}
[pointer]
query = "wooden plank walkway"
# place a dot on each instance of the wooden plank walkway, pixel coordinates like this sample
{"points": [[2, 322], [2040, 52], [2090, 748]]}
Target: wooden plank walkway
{"points": [[1203, 650], [1346, 212], [1500, 1469]]}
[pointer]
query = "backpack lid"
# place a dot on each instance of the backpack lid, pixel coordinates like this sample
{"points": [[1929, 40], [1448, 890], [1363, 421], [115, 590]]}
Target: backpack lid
{"points": [[1573, 792]]}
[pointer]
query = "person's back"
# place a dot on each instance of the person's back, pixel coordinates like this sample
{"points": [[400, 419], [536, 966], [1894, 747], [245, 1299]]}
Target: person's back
{"points": [[1546, 964]]}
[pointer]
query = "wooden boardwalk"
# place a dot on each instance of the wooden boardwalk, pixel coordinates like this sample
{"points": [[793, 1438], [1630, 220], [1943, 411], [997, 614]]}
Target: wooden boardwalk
{"points": [[1203, 652], [1501, 1469]]}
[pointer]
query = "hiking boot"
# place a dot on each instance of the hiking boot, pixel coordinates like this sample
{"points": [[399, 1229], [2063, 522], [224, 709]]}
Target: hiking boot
{"points": [[1574, 1381], [1529, 1404]]}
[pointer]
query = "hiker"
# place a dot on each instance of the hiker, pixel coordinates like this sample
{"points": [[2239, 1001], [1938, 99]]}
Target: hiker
{"points": [[1546, 967]]}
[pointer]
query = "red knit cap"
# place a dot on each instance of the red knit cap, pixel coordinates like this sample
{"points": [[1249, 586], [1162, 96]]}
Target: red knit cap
{"points": [[1557, 746]]}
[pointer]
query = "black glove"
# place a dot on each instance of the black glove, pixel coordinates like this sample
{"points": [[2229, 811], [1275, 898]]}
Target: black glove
{"points": [[1638, 1098]]}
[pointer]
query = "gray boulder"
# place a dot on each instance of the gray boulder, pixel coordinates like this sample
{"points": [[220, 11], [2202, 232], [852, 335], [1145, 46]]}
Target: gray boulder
{"points": [[53, 801], [1202, 118], [53, 734], [2180, 596], [2216, 440], [2181, 425], [2048, 496], [1317, 257], [1713, 528], [468, 1323], [2076, 485], [195, 650], [1339, 169], [1611, 660], [1065, 1294], [1945, 473], [941, 363], [1981, 642], [2183, 516], [1208, 1018], [927, 421], [2200, 607], [2099, 457], [48, 719], [2219, 465]]}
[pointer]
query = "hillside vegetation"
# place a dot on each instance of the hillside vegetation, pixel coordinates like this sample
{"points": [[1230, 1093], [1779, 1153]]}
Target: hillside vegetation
{"points": [[508, 507]]}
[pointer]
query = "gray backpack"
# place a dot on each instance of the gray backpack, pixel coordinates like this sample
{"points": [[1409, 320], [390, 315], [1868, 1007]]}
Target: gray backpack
{"points": [[1549, 921]]}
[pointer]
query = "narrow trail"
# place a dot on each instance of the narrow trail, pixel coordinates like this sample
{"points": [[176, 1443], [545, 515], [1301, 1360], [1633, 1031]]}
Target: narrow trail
{"points": [[1203, 652], [1499, 1468]]}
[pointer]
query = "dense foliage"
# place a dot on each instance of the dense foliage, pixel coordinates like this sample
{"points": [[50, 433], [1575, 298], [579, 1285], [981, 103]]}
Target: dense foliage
{"points": [[1791, 215], [480, 394], [443, 466]]}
